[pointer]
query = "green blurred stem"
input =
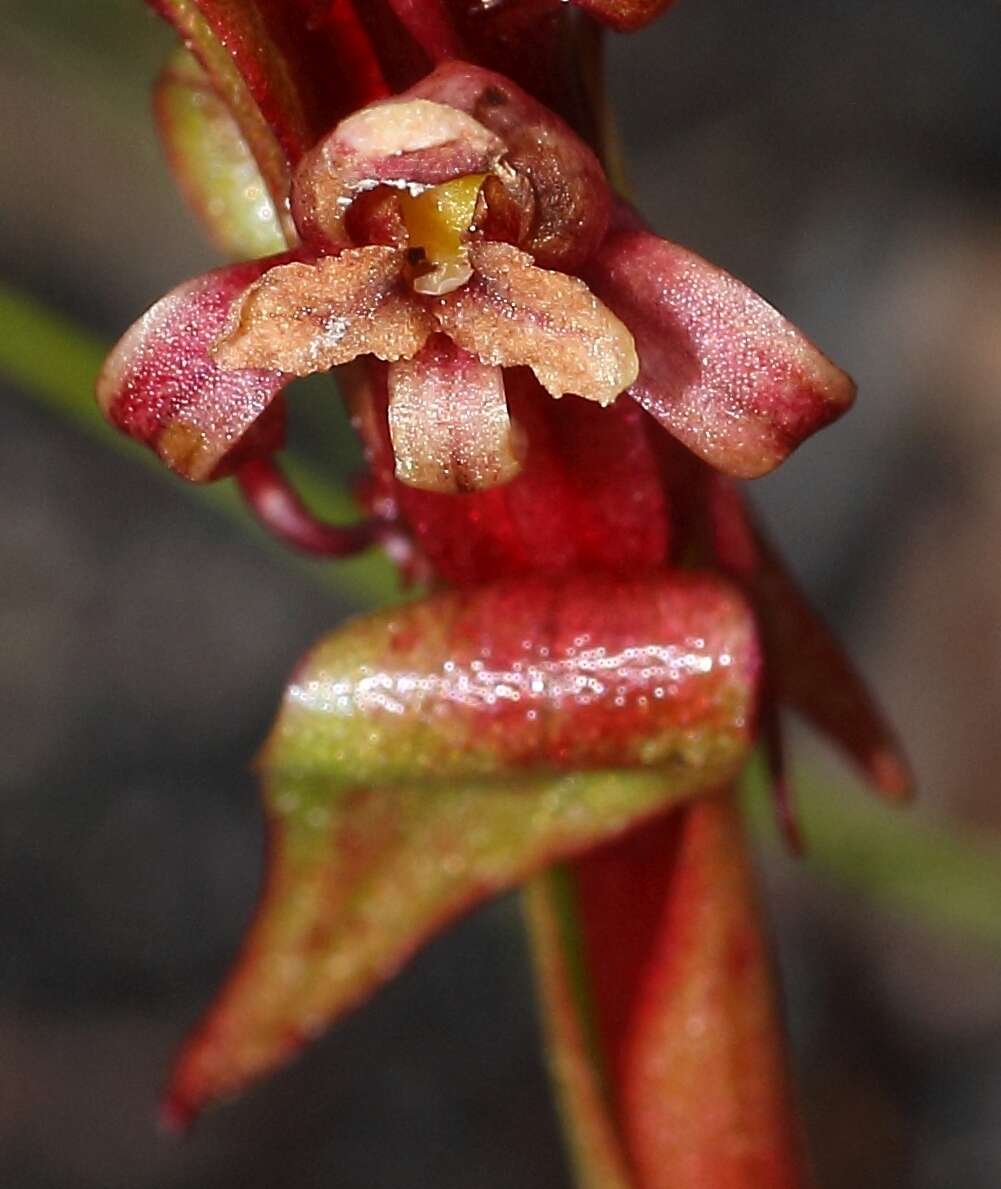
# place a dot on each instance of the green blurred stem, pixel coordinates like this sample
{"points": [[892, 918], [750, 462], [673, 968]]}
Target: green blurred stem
{"points": [[941, 876], [54, 361]]}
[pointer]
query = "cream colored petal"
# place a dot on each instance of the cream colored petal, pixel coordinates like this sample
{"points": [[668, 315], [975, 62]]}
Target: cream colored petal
{"points": [[304, 318], [512, 313], [449, 423]]}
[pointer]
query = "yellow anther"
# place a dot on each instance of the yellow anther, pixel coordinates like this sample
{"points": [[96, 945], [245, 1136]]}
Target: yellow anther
{"points": [[437, 221]]}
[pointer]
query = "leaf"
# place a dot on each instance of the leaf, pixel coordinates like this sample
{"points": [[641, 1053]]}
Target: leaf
{"points": [[433, 755], [720, 369], [684, 1084], [212, 163]]}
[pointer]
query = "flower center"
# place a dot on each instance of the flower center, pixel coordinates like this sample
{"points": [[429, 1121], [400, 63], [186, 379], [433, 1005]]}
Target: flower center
{"points": [[437, 222]]}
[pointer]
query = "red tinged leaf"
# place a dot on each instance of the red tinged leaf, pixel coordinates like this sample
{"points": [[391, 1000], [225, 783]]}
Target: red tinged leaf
{"points": [[807, 667], [435, 754], [684, 1084], [719, 367], [161, 385]]}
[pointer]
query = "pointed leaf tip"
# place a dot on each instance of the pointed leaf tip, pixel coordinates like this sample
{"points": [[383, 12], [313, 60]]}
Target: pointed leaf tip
{"points": [[405, 782]]}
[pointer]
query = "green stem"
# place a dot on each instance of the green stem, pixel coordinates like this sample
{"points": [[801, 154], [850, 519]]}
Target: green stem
{"points": [[56, 362], [939, 875]]}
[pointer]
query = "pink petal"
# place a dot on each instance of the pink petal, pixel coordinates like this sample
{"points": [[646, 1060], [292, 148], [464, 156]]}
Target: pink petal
{"points": [[719, 368], [161, 385], [567, 185], [513, 314], [306, 318], [448, 421]]}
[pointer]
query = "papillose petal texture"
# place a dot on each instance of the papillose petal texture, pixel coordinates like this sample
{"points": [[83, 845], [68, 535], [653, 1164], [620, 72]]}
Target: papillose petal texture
{"points": [[513, 314], [449, 423], [432, 755], [307, 318], [162, 386], [719, 367]]}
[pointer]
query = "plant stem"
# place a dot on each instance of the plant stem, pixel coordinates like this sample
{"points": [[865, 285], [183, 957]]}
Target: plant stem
{"points": [[938, 875], [56, 362]]}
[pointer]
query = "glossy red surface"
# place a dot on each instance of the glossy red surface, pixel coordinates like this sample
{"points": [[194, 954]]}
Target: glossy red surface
{"points": [[589, 496]]}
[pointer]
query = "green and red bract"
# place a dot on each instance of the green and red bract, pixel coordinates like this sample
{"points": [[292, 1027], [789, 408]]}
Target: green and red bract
{"points": [[610, 636], [432, 755]]}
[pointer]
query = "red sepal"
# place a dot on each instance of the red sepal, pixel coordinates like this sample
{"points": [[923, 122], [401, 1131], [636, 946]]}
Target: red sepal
{"points": [[161, 386], [719, 367]]}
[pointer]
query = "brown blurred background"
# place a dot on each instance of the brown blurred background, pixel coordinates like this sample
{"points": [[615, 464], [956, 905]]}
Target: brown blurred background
{"points": [[842, 156]]}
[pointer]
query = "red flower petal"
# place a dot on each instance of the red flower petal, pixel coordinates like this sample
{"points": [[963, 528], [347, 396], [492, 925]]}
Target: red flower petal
{"points": [[515, 314], [448, 421], [719, 367], [307, 318], [430, 755], [161, 385], [589, 495]]}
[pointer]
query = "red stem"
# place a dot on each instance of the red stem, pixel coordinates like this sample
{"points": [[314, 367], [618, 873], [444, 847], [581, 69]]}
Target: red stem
{"points": [[277, 505]]}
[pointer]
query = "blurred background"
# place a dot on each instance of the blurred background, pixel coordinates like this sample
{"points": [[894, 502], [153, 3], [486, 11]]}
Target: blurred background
{"points": [[844, 158]]}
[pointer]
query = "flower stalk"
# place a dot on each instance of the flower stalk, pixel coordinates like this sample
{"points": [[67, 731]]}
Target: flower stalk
{"points": [[576, 691]]}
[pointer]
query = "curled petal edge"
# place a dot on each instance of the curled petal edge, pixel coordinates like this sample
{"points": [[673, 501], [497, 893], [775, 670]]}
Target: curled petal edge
{"points": [[162, 387], [720, 368]]}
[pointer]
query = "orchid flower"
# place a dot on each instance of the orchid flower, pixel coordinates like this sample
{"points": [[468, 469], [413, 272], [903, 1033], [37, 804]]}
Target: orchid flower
{"points": [[610, 635]]}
